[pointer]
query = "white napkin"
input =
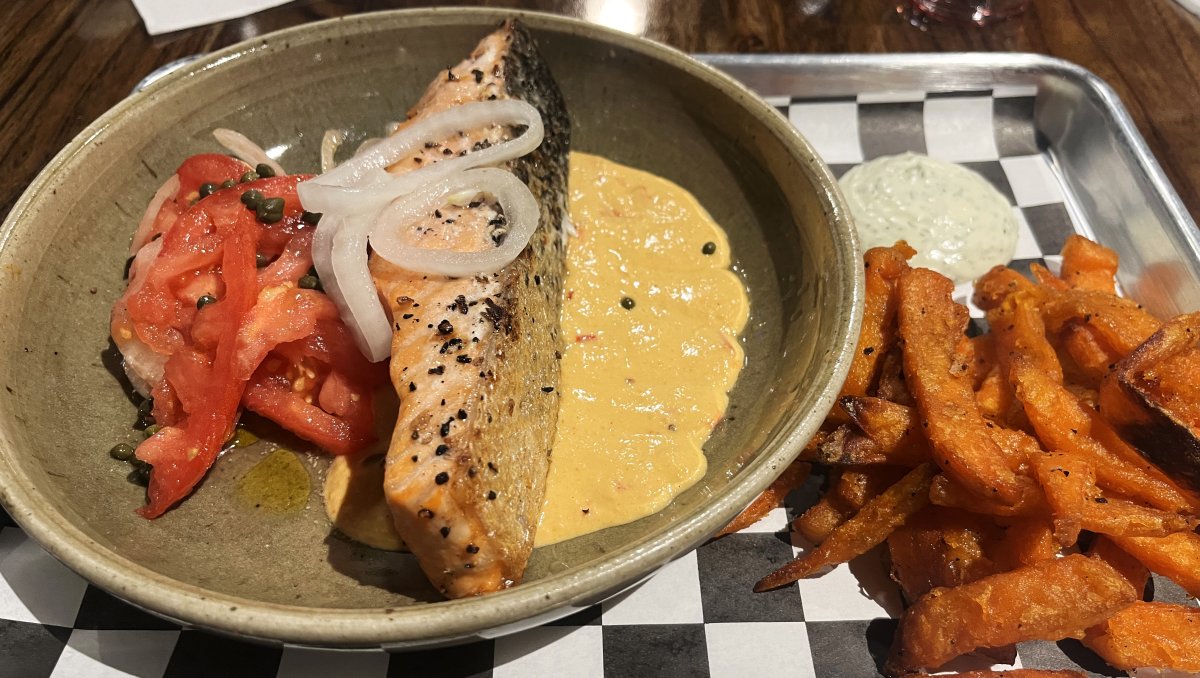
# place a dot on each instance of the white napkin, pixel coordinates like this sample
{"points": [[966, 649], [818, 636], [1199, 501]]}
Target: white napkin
{"points": [[164, 16], [1192, 5]]}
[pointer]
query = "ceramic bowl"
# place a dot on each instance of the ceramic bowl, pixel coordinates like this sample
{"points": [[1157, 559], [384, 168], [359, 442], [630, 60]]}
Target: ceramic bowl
{"points": [[213, 563]]}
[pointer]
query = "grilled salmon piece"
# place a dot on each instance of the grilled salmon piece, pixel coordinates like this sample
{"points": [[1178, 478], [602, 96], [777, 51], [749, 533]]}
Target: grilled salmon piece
{"points": [[475, 360]]}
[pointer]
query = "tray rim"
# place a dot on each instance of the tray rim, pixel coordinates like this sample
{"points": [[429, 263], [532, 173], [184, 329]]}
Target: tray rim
{"points": [[997, 66]]}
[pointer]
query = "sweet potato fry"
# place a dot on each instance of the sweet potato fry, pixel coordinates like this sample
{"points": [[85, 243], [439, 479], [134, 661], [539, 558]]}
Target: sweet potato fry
{"points": [[815, 524], [1176, 556], [1044, 277], [1026, 541], [890, 385], [1119, 323], [932, 324], [1020, 333], [941, 547], [1069, 485], [983, 347], [1049, 600], [1090, 359], [1154, 402], [893, 428], [994, 395], [877, 519], [1017, 447], [1089, 266], [1129, 567], [848, 492], [1103, 432], [771, 498], [809, 453], [1149, 635], [994, 287], [847, 446], [946, 492], [1063, 424], [884, 265], [1113, 516]]}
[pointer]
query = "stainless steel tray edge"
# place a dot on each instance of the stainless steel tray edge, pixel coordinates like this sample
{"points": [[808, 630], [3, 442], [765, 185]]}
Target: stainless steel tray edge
{"points": [[1114, 181]]}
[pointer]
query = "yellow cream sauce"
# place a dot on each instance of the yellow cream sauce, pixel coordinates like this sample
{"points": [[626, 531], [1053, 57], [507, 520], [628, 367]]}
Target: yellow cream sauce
{"points": [[642, 387], [651, 323]]}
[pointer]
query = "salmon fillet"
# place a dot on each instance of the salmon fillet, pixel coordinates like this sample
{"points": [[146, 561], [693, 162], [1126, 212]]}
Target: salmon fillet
{"points": [[476, 360]]}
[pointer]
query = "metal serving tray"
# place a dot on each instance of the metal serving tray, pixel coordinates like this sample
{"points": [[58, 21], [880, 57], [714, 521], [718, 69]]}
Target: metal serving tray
{"points": [[1112, 184]]}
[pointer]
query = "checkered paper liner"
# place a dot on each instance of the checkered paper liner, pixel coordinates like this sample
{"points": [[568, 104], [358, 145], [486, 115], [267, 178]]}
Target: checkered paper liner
{"points": [[696, 617]]}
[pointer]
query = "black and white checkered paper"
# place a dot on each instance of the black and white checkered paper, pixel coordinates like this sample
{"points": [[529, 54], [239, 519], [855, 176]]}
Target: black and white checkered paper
{"points": [[698, 616]]}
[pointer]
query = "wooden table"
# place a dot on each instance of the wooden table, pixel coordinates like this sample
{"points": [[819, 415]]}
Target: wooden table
{"points": [[64, 62]]}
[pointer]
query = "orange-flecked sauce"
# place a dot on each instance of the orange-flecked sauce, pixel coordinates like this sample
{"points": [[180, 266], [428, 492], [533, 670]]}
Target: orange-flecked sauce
{"points": [[651, 316], [642, 387]]}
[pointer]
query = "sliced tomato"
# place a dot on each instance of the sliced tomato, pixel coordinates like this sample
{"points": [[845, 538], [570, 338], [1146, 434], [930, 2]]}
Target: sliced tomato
{"points": [[292, 264], [273, 397], [206, 168], [182, 453], [282, 315], [264, 343]]}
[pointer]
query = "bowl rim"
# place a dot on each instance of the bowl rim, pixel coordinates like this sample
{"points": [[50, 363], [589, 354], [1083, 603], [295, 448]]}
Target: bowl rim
{"points": [[464, 619]]}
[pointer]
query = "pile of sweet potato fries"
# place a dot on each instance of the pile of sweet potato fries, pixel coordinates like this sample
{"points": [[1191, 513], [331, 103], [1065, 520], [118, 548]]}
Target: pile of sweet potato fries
{"points": [[1000, 470]]}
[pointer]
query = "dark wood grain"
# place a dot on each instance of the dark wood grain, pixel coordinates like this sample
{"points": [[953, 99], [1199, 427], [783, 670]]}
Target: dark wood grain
{"points": [[64, 62]]}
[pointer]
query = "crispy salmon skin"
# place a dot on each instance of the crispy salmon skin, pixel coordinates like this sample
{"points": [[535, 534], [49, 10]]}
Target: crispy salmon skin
{"points": [[475, 360]]}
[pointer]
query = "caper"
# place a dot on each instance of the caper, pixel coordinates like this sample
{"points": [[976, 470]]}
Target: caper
{"points": [[264, 170], [205, 301], [270, 210], [140, 474], [151, 430], [228, 183], [261, 260], [207, 189], [121, 452], [251, 198], [145, 414], [248, 177], [627, 303], [310, 218], [311, 282]]}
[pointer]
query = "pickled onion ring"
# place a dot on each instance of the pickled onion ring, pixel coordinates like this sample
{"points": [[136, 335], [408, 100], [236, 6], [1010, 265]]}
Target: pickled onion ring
{"points": [[363, 204], [245, 150]]}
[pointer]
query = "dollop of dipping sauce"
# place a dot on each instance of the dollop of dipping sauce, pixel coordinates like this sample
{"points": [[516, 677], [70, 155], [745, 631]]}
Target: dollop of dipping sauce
{"points": [[650, 319], [960, 225]]}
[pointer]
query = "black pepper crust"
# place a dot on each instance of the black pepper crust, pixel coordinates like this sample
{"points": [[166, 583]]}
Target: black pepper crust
{"points": [[488, 442], [523, 318]]}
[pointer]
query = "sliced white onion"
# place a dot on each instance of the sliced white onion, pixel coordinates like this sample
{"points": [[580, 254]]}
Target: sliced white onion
{"points": [[362, 184], [245, 150], [142, 365], [169, 188], [340, 257], [520, 211], [331, 141], [141, 264], [361, 201], [367, 144]]}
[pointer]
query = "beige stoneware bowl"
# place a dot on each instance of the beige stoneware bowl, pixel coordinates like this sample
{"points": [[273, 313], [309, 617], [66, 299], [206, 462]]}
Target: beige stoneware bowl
{"points": [[217, 563]]}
